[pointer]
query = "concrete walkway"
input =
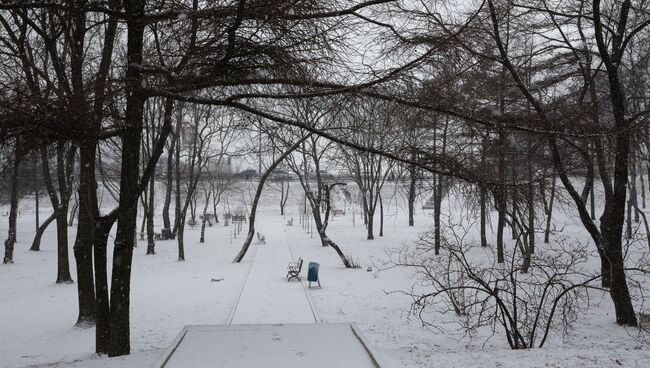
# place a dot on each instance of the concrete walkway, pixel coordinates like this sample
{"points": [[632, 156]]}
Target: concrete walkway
{"points": [[267, 297]]}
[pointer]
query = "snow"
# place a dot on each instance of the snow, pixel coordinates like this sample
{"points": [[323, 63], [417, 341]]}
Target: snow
{"points": [[270, 346], [267, 297], [37, 316]]}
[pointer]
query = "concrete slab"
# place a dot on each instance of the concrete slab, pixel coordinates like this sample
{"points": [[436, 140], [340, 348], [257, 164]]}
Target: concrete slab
{"points": [[338, 345]]}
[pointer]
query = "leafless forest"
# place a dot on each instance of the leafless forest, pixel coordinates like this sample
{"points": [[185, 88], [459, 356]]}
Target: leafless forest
{"points": [[511, 107]]}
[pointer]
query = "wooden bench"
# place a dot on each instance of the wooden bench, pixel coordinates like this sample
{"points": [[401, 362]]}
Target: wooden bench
{"points": [[156, 236], [293, 270], [338, 212], [290, 222], [239, 218]]}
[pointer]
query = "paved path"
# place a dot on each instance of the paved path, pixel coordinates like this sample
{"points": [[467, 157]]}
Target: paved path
{"points": [[266, 296]]}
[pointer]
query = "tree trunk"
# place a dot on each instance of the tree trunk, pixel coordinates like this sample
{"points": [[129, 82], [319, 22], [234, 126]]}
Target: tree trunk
{"points": [[633, 192], [151, 241], [501, 198], [177, 174], [258, 193], [437, 206], [170, 182], [13, 210], [63, 263], [36, 194], [411, 199], [592, 198], [102, 329], [83, 246], [180, 239], [531, 201], [370, 226], [36, 243], [549, 215], [642, 191], [73, 212], [326, 241], [381, 215], [129, 184], [205, 217], [514, 203], [483, 198]]}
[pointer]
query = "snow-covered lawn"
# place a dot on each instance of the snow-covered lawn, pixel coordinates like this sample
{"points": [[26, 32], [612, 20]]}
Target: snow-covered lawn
{"points": [[37, 316]]}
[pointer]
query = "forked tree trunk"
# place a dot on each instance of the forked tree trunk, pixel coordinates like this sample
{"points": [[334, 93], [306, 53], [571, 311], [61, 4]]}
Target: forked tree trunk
{"points": [[170, 182], [120, 343]]}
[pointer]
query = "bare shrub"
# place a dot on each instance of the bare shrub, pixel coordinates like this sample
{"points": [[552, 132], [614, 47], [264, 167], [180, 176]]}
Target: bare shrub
{"points": [[466, 279]]}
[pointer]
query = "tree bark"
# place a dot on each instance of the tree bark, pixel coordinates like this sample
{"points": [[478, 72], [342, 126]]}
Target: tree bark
{"points": [[151, 241], [412, 187], [381, 216], [502, 197], [36, 243], [102, 329], [549, 214], [13, 210], [483, 197], [83, 246], [129, 184]]}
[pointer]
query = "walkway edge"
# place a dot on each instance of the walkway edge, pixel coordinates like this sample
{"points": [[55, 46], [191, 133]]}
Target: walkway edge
{"points": [[241, 289]]}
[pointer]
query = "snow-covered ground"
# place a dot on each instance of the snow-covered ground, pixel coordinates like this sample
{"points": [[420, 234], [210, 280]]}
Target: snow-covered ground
{"points": [[37, 316]]}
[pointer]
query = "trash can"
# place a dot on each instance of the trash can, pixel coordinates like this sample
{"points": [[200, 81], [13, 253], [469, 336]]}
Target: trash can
{"points": [[312, 273]]}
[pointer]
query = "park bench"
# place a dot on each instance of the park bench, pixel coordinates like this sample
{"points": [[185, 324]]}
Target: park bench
{"points": [[293, 270], [156, 236], [240, 218], [338, 212], [207, 217], [290, 222]]}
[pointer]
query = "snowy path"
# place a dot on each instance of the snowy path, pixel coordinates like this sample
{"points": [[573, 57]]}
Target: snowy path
{"points": [[267, 297]]}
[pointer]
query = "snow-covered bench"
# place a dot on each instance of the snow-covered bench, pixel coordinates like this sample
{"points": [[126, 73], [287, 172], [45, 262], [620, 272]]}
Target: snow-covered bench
{"points": [[293, 270]]}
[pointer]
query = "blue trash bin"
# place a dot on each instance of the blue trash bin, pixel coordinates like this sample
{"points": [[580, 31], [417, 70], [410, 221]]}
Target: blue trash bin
{"points": [[312, 273]]}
